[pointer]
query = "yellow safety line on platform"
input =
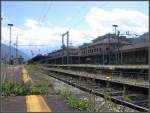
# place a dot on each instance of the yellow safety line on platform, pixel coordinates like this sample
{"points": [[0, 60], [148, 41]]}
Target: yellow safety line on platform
{"points": [[36, 103], [26, 76]]}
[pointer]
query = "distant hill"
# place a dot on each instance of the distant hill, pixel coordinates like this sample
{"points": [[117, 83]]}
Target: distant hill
{"points": [[141, 39], [5, 52]]}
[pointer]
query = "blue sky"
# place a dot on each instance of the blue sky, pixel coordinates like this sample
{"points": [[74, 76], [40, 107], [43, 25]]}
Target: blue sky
{"points": [[85, 20], [60, 12]]}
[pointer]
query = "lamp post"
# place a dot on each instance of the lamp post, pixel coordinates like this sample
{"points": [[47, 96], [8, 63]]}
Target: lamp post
{"points": [[118, 48], [67, 47], [115, 26], [10, 25], [109, 49]]}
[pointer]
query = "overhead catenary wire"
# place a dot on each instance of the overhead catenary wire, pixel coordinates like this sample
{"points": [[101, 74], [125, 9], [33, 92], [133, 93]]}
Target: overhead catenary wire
{"points": [[79, 11], [42, 18], [81, 20]]}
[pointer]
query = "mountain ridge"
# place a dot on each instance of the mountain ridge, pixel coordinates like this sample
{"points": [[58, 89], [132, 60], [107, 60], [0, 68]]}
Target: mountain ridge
{"points": [[5, 52]]}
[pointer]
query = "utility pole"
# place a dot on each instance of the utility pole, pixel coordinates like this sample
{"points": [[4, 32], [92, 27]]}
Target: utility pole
{"points": [[10, 58], [62, 42], [109, 49], [118, 47], [71, 53], [67, 47], [63, 46], [17, 49], [115, 26], [67, 33]]}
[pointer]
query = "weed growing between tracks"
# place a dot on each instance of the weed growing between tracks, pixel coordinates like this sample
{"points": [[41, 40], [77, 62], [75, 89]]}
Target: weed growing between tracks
{"points": [[74, 101], [92, 103]]}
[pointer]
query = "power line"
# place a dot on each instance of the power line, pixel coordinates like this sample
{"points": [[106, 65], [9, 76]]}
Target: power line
{"points": [[78, 22], [31, 45], [41, 14], [41, 19], [45, 14], [75, 15]]}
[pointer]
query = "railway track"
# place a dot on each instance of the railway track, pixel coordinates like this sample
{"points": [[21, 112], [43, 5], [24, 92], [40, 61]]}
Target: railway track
{"points": [[144, 67], [135, 97], [138, 77], [102, 78]]}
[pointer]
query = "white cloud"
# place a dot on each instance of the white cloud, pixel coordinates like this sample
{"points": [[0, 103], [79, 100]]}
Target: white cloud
{"points": [[31, 23], [33, 34], [100, 20]]}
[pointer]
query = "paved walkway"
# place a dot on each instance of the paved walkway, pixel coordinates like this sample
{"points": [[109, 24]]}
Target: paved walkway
{"points": [[33, 103], [13, 104]]}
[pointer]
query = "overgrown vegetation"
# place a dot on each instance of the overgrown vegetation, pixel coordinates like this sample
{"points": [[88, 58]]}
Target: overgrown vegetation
{"points": [[75, 102], [43, 86], [14, 88]]}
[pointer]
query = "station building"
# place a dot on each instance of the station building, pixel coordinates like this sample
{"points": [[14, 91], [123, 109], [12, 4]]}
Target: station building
{"points": [[69, 55], [106, 49]]}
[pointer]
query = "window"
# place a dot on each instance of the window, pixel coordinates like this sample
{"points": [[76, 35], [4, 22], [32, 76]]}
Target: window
{"points": [[99, 49], [91, 50], [107, 49]]}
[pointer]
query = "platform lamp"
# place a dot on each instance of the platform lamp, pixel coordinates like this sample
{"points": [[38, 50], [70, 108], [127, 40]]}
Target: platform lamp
{"points": [[115, 26], [10, 25]]}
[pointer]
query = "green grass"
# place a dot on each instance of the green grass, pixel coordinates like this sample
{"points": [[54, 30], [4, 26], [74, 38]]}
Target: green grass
{"points": [[20, 89], [74, 101], [37, 74], [11, 88]]}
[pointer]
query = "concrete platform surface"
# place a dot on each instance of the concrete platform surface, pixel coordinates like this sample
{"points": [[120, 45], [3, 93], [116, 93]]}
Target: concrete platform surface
{"points": [[55, 103], [13, 104]]}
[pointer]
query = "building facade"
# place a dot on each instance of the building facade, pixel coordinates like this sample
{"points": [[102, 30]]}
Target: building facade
{"points": [[64, 56], [107, 49]]}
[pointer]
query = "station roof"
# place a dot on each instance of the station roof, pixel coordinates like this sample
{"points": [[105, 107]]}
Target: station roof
{"points": [[135, 46], [139, 45], [112, 40]]}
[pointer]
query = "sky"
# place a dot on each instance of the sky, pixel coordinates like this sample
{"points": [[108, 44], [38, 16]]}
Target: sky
{"points": [[43, 22]]}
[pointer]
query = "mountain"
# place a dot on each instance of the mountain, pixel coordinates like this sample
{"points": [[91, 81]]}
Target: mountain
{"points": [[141, 39], [5, 52]]}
